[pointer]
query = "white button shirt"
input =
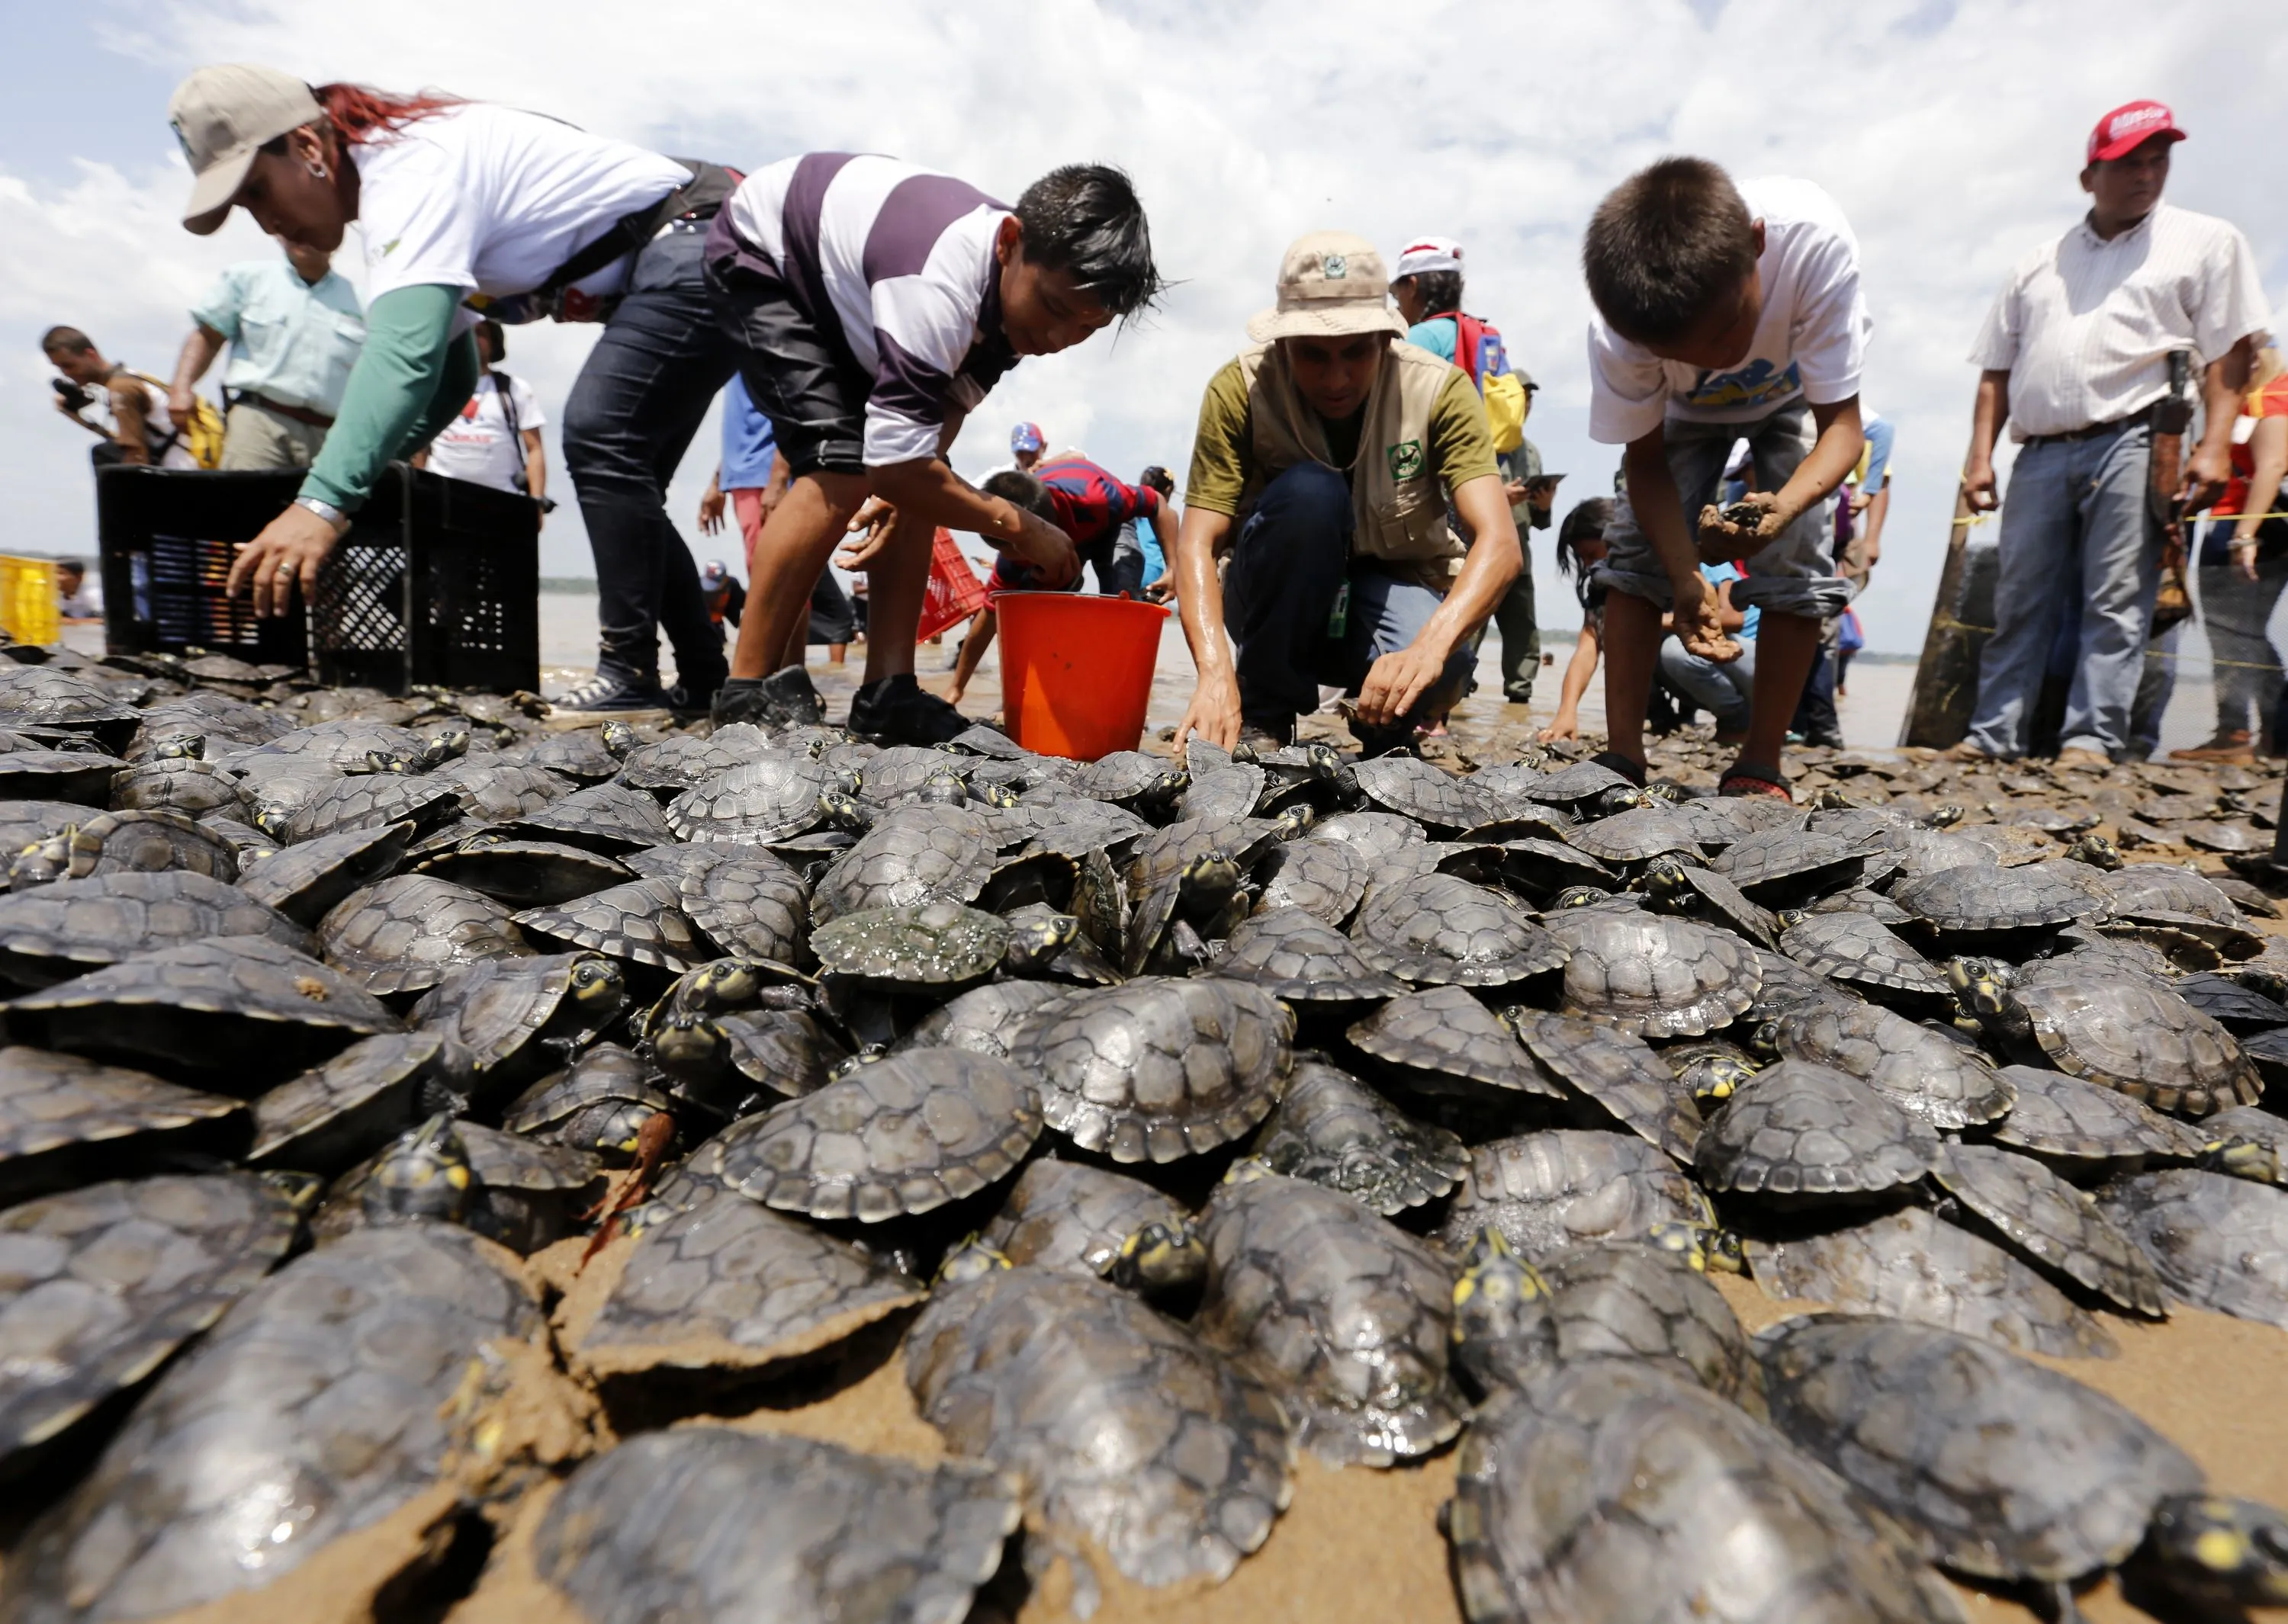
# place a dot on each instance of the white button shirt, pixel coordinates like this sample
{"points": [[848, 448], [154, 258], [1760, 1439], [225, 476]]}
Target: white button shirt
{"points": [[2085, 326]]}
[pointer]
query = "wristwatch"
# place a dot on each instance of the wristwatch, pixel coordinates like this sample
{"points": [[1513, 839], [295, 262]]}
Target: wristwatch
{"points": [[326, 511]]}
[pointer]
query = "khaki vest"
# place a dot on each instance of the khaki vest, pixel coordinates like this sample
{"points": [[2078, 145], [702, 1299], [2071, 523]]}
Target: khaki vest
{"points": [[1399, 500]]}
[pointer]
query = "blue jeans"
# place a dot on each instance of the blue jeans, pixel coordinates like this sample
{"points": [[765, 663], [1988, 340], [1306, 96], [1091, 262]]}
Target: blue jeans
{"points": [[2076, 531], [1720, 688], [630, 416], [1292, 557]]}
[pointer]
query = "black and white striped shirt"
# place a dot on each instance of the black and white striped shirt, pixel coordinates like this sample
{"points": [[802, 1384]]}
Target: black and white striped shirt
{"points": [[896, 264]]}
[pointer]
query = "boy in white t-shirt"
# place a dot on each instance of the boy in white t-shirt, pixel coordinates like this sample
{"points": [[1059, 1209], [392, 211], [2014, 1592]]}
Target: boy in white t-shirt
{"points": [[1723, 313], [496, 439]]}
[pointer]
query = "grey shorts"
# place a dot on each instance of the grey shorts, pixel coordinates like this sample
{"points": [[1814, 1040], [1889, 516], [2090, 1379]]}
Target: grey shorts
{"points": [[1795, 572]]}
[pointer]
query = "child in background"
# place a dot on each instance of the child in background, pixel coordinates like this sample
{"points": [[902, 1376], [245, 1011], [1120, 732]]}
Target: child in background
{"points": [[1722, 314]]}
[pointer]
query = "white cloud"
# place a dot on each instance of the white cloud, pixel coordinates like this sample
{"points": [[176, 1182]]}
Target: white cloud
{"points": [[1951, 134]]}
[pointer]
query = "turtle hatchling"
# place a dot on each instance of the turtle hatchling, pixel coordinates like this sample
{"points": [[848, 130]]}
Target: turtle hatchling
{"points": [[65, 1121], [1334, 1130], [52, 931], [1437, 929], [1619, 1074], [1296, 955], [2047, 1219], [126, 842], [405, 934], [2220, 1242], [1070, 1217], [1442, 1040], [1651, 976], [1800, 1128], [639, 921], [1548, 1191], [1927, 1074]]}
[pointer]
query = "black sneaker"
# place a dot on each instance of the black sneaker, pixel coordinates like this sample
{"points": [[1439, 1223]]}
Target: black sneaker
{"points": [[898, 710], [783, 698], [612, 692]]}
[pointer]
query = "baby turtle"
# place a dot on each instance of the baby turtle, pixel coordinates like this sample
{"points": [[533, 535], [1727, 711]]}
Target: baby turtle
{"points": [[1925, 1073], [1611, 1490], [715, 1282], [668, 766], [2239, 1009], [639, 921], [2079, 1125], [104, 1283], [238, 1014], [1159, 1068], [341, 1111], [524, 873], [1413, 787], [610, 818], [1801, 1128], [37, 696], [760, 801], [1078, 1219], [355, 1375], [984, 1019], [2221, 1243], [1173, 925], [1344, 1313], [1909, 1264], [126, 842], [1323, 876], [1378, 836], [1440, 929], [1638, 835], [1980, 899], [305, 882], [1786, 866], [751, 908], [1619, 1074], [1121, 1425], [1442, 1040], [53, 931], [598, 1103], [906, 1134], [66, 1121], [1295, 955], [1233, 791], [1786, 986], [843, 1526], [84, 777], [915, 855], [938, 943], [408, 932], [2247, 1141], [1134, 779], [1548, 1191], [1334, 1130], [1853, 948], [2124, 1033], [2049, 1220], [506, 1021], [1677, 887], [2007, 1470], [372, 800], [1650, 976]]}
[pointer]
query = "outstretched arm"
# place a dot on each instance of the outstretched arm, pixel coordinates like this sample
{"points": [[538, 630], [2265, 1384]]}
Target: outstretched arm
{"points": [[199, 351]]}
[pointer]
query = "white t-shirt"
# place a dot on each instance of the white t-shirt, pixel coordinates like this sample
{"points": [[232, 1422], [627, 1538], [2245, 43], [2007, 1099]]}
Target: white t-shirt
{"points": [[490, 200], [477, 445], [1811, 343]]}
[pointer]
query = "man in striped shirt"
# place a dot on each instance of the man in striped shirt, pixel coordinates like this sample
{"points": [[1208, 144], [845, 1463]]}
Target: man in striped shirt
{"points": [[876, 304], [2075, 355]]}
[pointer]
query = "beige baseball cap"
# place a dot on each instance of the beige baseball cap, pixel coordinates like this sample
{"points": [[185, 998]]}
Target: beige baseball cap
{"points": [[1331, 284], [222, 116]]}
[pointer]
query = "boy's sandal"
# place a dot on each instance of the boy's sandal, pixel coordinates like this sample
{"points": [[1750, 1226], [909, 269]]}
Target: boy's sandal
{"points": [[1744, 779], [1614, 760]]}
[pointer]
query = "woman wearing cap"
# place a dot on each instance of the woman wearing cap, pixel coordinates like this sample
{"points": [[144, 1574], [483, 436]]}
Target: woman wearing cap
{"points": [[462, 203], [1326, 455]]}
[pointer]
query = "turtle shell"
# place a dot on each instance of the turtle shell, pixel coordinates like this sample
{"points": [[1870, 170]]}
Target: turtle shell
{"points": [[673, 765], [26, 823], [1922, 1071], [371, 800], [339, 1113], [932, 943], [127, 842], [1618, 1073], [405, 934], [1787, 986], [65, 1121], [1298, 957], [611, 819], [524, 873], [600, 1103], [84, 776], [1232, 791], [193, 788], [2238, 1010], [2008, 1470], [491, 790], [1078, 1219], [2139, 889], [1334, 1130], [2050, 1222], [1414, 789], [844, 1525], [1438, 928], [577, 752], [1568, 786], [1803, 1129], [753, 907], [1771, 863], [1548, 1191], [2143, 1040], [1379, 835], [1710, 897], [48, 696], [984, 1019], [53, 931], [305, 882], [1444, 1037], [2221, 1243], [1654, 1306], [1856, 948], [1652, 976], [104, 1283], [1347, 1315], [914, 855], [1323, 876], [348, 1373], [1909, 1264], [1159, 1068], [904, 1134], [507, 1020], [637, 921], [2060, 1116], [1978, 898], [1712, 1507], [760, 801], [1124, 1427], [1637, 835]]}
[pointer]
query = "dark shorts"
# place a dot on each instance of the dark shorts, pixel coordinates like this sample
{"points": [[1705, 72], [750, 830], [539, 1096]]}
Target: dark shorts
{"points": [[800, 378]]}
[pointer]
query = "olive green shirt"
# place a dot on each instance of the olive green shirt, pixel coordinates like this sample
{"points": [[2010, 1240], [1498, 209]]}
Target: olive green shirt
{"points": [[1223, 447]]}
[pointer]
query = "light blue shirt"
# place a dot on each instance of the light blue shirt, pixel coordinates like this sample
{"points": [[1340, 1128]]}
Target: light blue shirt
{"points": [[289, 342], [749, 450], [1717, 574], [1436, 335]]}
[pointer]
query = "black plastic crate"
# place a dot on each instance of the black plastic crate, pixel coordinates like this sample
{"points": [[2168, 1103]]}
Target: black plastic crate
{"points": [[438, 581]]}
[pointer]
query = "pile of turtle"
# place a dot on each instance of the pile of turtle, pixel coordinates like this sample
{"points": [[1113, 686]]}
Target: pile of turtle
{"points": [[420, 1128]]}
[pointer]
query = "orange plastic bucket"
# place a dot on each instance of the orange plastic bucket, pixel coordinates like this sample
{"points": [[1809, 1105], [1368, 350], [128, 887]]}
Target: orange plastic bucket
{"points": [[1076, 672]]}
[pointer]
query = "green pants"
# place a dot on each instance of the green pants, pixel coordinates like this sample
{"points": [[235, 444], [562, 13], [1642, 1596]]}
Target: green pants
{"points": [[1520, 633]]}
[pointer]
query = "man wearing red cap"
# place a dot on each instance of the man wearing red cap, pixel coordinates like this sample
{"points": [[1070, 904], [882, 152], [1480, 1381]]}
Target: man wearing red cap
{"points": [[2076, 356]]}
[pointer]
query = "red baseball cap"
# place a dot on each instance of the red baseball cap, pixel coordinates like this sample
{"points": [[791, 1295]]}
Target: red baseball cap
{"points": [[2129, 126]]}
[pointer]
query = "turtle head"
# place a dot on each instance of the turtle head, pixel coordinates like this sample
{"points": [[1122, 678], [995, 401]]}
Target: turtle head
{"points": [[1621, 798], [721, 985], [998, 796], [403, 763], [1664, 879], [1037, 939], [620, 1132], [1293, 822], [971, 1260], [596, 987], [1502, 1323], [274, 818], [1788, 918], [1207, 881], [42, 861], [424, 1174], [851, 1065], [2097, 852], [689, 1046], [1982, 988], [840, 809], [180, 747], [1944, 817], [1159, 1256], [1716, 1076], [1663, 792], [1705, 1247], [1578, 896], [301, 1191], [446, 744], [620, 740], [944, 787], [1323, 759], [2215, 1552], [1829, 798], [1763, 1042], [2243, 1157]]}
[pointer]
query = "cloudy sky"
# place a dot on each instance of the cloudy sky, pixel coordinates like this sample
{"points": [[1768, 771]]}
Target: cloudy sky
{"points": [[1950, 132]]}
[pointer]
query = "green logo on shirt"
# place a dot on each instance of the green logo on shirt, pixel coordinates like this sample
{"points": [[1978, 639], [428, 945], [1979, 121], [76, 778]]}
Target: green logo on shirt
{"points": [[1405, 460], [390, 247]]}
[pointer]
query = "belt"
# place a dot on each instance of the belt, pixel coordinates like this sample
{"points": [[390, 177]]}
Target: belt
{"points": [[296, 414], [2111, 425]]}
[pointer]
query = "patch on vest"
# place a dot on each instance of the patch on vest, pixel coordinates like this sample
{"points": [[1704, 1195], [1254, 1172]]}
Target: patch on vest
{"points": [[1405, 460]]}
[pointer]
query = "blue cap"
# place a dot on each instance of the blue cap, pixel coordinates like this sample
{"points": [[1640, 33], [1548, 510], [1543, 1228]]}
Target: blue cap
{"points": [[1026, 437], [713, 574]]}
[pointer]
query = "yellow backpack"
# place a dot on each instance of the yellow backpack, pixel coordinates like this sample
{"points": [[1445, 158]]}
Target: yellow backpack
{"points": [[1479, 352], [1505, 410], [202, 436]]}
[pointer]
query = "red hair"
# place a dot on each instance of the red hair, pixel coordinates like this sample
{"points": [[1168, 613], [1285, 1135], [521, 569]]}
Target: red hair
{"points": [[356, 111]]}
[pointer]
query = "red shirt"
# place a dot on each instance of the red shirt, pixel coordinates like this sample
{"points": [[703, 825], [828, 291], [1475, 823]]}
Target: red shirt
{"points": [[2270, 401]]}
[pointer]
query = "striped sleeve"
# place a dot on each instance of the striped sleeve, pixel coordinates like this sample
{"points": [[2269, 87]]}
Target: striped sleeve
{"points": [[929, 267]]}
